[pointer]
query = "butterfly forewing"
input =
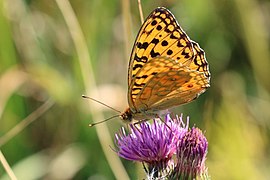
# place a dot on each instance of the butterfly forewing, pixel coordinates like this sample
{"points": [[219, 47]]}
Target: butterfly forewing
{"points": [[160, 35], [199, 63]]}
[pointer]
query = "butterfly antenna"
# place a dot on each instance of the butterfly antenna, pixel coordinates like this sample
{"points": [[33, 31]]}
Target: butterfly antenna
{"points": [[87, 97], [93, 124], [140, 10]]}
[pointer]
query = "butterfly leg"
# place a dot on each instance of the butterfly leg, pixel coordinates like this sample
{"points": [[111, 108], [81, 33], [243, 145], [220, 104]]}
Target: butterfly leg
{"points": [[157, 116], [141, 121]]}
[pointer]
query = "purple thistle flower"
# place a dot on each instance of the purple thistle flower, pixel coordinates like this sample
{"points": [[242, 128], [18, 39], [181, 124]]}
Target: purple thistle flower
{"points": [[191, 156], [153, 144]]}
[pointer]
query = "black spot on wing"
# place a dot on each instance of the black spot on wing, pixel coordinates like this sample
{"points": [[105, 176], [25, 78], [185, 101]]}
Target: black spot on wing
{"points": [[134, 89], [139, 85], [153, 23], [142, 77], [155, 41], [173, 36], [137, 66], [154, 54], [164, 43], [143, 59], [186, 55], [159, 27], [169, 52], [142, 45], [167, 30], [179, 44]]}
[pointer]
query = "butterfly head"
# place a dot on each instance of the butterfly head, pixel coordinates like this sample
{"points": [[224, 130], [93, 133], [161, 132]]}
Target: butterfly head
{"points": [[126, 116]]}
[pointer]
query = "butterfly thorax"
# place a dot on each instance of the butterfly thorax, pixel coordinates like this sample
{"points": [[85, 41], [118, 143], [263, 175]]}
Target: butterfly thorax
{"points": [[128, 115]]}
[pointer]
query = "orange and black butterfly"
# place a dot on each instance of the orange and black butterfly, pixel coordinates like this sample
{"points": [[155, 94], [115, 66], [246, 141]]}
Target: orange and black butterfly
{"points": [[166, 68]]}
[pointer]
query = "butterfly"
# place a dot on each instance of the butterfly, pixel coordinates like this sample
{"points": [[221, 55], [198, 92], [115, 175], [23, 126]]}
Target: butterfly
{"points": [[166, 68]]}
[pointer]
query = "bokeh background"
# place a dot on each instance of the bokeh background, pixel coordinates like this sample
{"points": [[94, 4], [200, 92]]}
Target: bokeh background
{"points": [[52, 52]]}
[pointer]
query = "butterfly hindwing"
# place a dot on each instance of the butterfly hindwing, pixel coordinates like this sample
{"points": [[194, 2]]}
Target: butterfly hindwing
{"points": [[163, 83]]}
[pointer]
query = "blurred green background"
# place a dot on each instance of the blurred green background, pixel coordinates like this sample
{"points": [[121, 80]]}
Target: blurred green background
{"points": [[52, 52]]}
